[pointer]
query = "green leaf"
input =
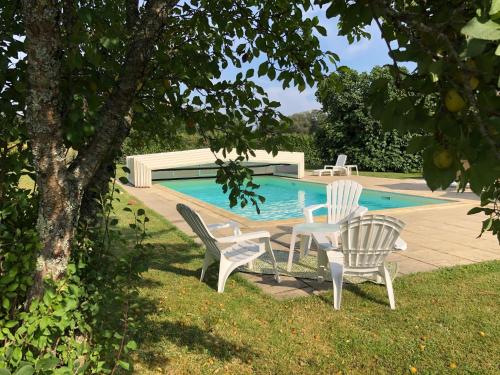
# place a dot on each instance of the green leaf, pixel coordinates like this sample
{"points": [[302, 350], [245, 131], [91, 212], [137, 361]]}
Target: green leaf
{"points": [[140, 212], [488, 30], [321, 30], [5, 303], [475, 47], [45, 364], [132, 345], [4, 371], [197, 101], [124, 365], [25, 370], [123, 180], [475, 210], [262, 69], [271, 73], [331, 11], [495, 9]]}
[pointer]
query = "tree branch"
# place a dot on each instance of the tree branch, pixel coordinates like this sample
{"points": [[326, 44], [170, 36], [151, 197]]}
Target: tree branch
{"points": [[410, 19], [132, 16], [115, 118]]}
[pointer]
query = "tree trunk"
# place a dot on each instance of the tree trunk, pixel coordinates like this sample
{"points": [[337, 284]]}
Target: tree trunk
{"points": [[61, 186], [60, 195]]}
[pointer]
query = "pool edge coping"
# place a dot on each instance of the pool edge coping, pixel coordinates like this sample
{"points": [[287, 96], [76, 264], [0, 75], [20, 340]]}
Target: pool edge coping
{"points": [[248, 223]]}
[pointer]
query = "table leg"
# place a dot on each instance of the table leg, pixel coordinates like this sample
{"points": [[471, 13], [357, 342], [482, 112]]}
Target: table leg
{"points": [[292, 249], [357, 172], [322, 260], [305, 242]]}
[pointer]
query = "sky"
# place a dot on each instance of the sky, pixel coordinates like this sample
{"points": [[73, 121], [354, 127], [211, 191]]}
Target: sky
{"points": [[361, 56]]}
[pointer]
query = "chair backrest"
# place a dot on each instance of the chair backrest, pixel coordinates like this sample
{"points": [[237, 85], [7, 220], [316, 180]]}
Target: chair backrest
{"points": [[198, 226], [367, 240], [341, 159], [342, 198]]}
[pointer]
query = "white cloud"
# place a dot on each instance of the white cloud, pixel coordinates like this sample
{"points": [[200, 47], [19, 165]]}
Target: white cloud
{"points": [[292, 100]]}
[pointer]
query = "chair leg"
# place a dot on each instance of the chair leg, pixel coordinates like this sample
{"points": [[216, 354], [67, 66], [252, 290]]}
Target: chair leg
{"points": [[388, 283], [292, 250], [336, 263], [224, 272], [269, 249], [206, 263]]}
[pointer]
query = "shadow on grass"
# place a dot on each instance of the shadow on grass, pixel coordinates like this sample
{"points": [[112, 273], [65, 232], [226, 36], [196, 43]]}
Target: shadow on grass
{"points": [[357, 290], [192, 337], [176, 258]]}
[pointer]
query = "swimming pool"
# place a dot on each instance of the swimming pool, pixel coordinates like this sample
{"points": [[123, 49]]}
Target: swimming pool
{"points": [[286, 198]]}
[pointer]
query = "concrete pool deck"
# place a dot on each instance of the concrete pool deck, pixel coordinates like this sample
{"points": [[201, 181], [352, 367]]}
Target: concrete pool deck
{"points": [[437, 235]]}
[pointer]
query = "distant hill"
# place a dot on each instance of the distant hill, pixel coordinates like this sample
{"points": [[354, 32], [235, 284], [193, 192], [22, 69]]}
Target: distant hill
{"points": [[307, 122]]}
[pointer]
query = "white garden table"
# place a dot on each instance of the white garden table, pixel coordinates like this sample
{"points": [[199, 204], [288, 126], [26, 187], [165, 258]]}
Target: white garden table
{"points": [[306, 230], [350, 167]]}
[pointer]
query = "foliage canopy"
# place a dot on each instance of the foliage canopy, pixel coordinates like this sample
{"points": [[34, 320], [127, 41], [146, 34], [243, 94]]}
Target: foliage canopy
{"points": [[351, 129], [455, 47]]}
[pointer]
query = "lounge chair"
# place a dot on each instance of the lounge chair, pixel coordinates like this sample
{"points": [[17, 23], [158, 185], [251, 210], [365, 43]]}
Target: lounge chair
{"points": [[365, 244], [339, 167], [242, 248]]}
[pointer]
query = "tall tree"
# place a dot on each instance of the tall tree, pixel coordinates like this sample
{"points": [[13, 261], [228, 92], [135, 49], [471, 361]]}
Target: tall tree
{"points": [[455, 47], [96, 68], [351, 129]]}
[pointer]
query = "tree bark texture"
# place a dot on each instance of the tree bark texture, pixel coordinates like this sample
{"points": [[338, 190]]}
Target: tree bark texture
{"points": [[61, 186], [59, 193]]}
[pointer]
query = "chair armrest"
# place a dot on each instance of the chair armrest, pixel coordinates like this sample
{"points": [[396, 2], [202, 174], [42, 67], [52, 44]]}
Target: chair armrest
{"points": [[329, 166], [244, 237], [229, 224], [308, 212], [400, 245]]}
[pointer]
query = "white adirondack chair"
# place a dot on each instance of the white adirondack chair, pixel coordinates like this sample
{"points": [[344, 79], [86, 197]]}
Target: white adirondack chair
{"points": [[331, 169], [365, 244], [241, 249], [342, 204]]}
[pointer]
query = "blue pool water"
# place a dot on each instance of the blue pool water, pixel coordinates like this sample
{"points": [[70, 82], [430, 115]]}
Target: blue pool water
{"points": [[286, 198]]}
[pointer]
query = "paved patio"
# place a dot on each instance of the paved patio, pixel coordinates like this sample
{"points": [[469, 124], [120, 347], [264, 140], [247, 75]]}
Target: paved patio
{"points": [[437, 235]]}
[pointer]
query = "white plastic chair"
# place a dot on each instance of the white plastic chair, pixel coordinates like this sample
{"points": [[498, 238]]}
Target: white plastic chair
{"points": [[241, 250], [365, 244], [331, 169], [342, 204]]}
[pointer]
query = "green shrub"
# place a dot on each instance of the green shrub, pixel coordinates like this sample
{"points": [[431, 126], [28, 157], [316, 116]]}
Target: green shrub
{"points": [[139, 143], [305, 143], [83, 322], [350, 129]]}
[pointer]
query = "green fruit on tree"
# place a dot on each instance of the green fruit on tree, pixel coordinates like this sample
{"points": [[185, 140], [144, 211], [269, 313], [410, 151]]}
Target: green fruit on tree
{"points": [[454, 101], [442, 159], [473, 82]]}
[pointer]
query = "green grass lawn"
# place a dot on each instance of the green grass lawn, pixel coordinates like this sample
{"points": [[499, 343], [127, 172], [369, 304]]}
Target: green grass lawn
{"points": [[398, 175], [443, 319]]}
